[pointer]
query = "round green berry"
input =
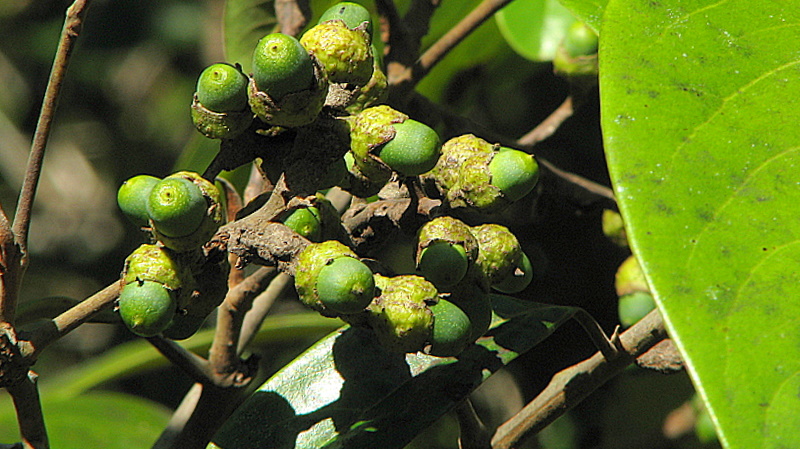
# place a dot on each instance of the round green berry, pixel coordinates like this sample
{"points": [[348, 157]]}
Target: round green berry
{"points": [[443, 263], [222, 88], [452, 329], [414, 150], [517, 280], [281, 66], [580, 40], [345, 285], [306, 222], [633, 307], [146, 307], [132, 197], [352, 14], [514, 172], [176, 207]]}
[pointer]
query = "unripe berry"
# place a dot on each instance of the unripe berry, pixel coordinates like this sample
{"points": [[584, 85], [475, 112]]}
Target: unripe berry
{"points": [[414, 149], [146, 307], [452, 329], [306, 222], [400, 316], [222, 88], [281, 65], [499, 252], [345, 285], [176, 207], [443, 263], [345, 54], [518, 279], [132, 197], [308, 265], [514, 172], [352, 14], [633, 307], [580, 40]]}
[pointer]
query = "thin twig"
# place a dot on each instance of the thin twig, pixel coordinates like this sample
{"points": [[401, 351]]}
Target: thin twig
{"points": [[25, 395], [69, 35], [61, 325], [579, 181], [473, 433], [608, 346], [223, 355], [192, 364], [549, 125], [261, 305], [572, 385]]}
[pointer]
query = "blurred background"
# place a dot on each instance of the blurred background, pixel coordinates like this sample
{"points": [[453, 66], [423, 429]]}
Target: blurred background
{"points": [[124, 110]]}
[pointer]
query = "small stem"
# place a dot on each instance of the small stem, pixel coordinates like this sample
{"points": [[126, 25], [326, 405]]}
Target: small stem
{"points": [[572, 385], [69, 35], [25, 395], [609, 347], [192, 364], [223, 355], [61, 325], [473, 433], [261, 305], [549, 125]]}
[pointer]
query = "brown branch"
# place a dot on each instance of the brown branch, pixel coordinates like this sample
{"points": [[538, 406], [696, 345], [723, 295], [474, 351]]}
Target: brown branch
{"points": [[61, 325], [572, 385], [223, 355], [25, 395], [69, 35], [261, 305], [549, 125], [192, 364]]}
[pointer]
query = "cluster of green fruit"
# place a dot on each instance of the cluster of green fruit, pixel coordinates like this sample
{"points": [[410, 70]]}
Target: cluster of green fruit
{"points": [[440, 312], [168, 287]]}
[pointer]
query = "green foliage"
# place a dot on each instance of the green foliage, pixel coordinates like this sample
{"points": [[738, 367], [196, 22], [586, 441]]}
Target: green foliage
{"points": [[534, 28], [699, 114]]}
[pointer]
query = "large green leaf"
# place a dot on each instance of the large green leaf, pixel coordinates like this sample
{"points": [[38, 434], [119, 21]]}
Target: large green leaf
{"points": [[588, 11], [347, 391], [95, 420], [534, 28], [700, 106]]}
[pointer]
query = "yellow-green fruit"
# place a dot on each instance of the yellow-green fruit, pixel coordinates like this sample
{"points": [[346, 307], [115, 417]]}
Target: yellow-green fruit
{"points": [[345, 285], [157, 264], [452, 330], [414, 150], [518, 279], [580, 40], [633, 307], [307, 267], [281, 66], [352, 14], [132, 197], [370, 130], [443, 263], [499, 252], [146, 307], [400, 316], [345, 54], [305, 221], [222, 88], [514, 172], [176, 207]]}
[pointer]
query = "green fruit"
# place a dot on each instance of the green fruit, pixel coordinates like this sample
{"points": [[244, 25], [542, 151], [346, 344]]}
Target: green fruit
{"points": [[308, 265], [352, 14], [633, 307], [452, 329], [517, 280], [345, 285], [514, 172], [157, 264], [414, 150], [222, 88], [146, 307], [580, 40], [306, 222], [443, 263], [499, 252], [345, 54], [281, 66], [132, 197], [630, 278], [176, 207], [400, 316]]}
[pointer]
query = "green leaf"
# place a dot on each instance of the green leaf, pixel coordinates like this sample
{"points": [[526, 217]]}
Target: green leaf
{"points": [[589, 12], [347, 391], [99, 419], [138, 356], [245, 22], [700, 106], [534, 28]]}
